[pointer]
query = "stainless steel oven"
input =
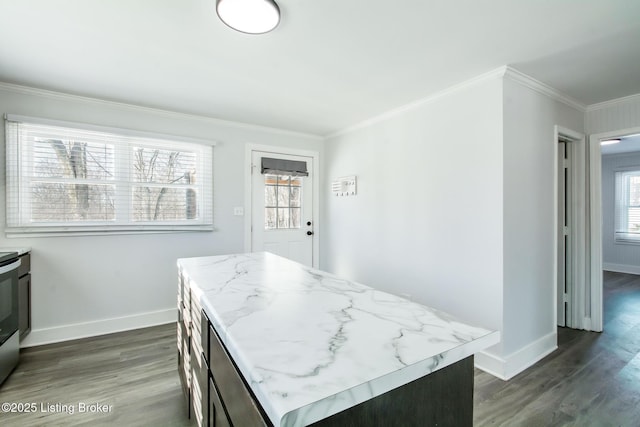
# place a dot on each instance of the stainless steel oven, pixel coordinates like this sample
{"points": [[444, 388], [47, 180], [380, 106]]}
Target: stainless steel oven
{"points": [[9, 340]]}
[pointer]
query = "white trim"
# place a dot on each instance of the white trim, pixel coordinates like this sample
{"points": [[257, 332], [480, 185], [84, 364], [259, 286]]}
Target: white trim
{"points": [[613, 102], [621, 207], [555, 192], [490, 363], [504, 71], [315, 156], [496, 73], [538, 86], [616, 134], [25, 90], [99, 327], [595, 231], [518, 361], [621, 268]]}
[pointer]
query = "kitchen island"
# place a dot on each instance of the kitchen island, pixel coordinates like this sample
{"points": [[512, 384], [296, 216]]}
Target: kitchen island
{"points": [[263, 340]]}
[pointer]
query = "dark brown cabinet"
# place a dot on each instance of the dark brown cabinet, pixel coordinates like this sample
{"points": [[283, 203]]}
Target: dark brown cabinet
{"points": [[217, 417], [239, 402], [24, 295]]}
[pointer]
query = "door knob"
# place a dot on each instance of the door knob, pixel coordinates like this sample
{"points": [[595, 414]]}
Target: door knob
{"points": [[309, 233]]}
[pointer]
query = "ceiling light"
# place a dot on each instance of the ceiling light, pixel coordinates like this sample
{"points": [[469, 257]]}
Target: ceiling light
{"points": [[249, 16], [609, 141]]}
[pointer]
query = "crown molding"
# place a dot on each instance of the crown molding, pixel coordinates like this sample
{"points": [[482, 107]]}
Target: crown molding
{"points": [[528, 81], [613, 102], [496, 73], [504, 71], [27, 90]]}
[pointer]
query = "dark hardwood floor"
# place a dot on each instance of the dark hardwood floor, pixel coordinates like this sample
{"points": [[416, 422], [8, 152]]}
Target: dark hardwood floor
{"points": [[592, 379], [133, 372]]}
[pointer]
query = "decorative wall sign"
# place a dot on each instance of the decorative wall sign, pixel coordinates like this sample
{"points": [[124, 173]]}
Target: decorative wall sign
{"points": [[344, 186]]}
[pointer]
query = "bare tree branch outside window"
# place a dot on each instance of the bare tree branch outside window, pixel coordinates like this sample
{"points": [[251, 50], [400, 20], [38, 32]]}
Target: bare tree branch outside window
{"points": [[75, 178], [61, 189], [167, 175]]}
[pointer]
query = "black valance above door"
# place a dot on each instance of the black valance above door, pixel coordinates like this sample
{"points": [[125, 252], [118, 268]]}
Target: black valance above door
{"points": [[284, 167]]}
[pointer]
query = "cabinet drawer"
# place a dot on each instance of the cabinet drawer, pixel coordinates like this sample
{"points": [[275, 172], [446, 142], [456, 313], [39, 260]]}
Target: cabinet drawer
{"points": [[217, 415], [204, 338], [25, 265], [184, 382], [241, 407]]}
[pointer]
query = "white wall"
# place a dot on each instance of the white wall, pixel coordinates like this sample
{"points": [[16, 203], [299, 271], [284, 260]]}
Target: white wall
{"points": [[616, 256], [618, 114], [456, 207], [529, 219], [427, 219], [96, 284]]}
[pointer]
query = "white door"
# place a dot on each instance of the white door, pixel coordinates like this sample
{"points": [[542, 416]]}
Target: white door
{"points": [[281, 208]]}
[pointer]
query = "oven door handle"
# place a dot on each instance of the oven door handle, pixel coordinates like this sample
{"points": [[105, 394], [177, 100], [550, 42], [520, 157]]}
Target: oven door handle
{"points": [[7, 268]]}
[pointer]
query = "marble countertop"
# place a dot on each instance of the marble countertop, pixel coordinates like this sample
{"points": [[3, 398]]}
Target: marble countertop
{"points": [[311, 344]]}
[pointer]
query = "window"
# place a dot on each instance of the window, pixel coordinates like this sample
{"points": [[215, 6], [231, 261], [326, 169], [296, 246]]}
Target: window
{"points": [[282, 201], [64, 177], [627, 209]]}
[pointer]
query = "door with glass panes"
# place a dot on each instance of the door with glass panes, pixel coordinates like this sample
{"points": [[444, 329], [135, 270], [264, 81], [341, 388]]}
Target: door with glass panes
{"points": [[281, 217]]}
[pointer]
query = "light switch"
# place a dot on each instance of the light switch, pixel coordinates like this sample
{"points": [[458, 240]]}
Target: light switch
{"points": [[238, 211]]}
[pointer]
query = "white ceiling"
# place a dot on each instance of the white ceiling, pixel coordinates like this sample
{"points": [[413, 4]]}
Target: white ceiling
{"points": [[329, 65]]}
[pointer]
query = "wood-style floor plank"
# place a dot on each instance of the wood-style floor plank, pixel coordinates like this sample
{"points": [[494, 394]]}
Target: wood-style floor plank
{"points": [[133, 372], [593, 379]]}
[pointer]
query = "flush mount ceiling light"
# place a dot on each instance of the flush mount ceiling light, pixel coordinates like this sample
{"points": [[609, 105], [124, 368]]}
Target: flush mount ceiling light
{"points": [[249, 16], [609, 141]]}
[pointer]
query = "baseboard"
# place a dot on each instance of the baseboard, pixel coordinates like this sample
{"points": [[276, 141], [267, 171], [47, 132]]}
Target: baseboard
{"points": [[99, 327], [513, 364], [490, 363], [621, 268]]}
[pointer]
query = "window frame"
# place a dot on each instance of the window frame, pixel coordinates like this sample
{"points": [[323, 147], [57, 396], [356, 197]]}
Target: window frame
{"points": [[622, 205], [19, 204], [277, 186]]}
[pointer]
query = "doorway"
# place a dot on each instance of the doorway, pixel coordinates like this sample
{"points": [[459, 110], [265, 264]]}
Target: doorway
{"points": [[615, 242], [571, 300], [283, 204]]}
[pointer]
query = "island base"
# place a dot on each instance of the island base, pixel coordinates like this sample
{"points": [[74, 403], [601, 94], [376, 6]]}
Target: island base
{"points": [[442, 398]]}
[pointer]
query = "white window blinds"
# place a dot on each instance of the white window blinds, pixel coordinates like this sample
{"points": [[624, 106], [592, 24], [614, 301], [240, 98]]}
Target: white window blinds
{"points": [[627, 208], [66, 177]]}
